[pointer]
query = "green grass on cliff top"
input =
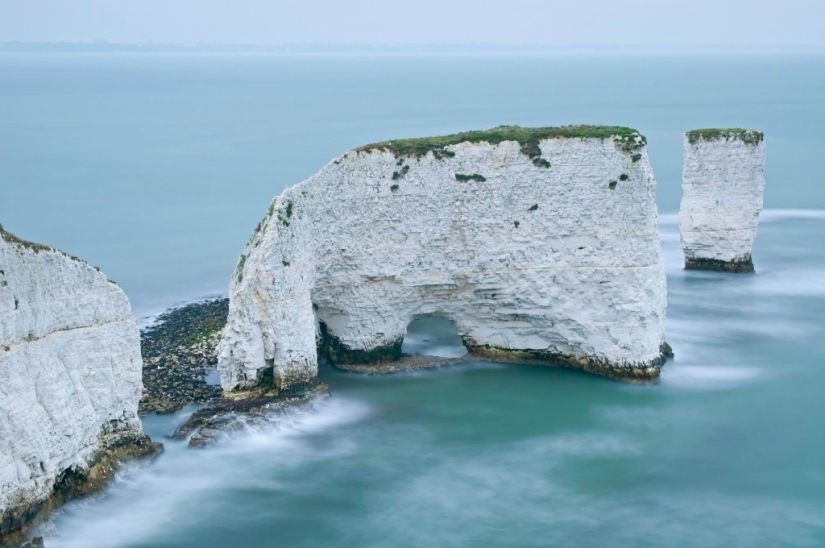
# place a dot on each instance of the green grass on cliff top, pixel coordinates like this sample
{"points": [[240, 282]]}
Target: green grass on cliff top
{"points": [[629, 139], [750, 136], [12, 239]]}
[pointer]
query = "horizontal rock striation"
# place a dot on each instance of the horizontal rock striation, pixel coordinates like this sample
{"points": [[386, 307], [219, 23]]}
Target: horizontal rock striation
{"points": [[70, 381], [539, 243], [722, 185]]}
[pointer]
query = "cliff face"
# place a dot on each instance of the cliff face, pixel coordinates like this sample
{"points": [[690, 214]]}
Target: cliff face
{"points": [[70, 380], [539, 245], [722, 184]]}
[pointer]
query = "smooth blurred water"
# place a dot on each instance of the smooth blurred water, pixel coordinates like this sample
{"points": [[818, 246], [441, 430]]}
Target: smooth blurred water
{"points": [[727, 450], [157, 168]]}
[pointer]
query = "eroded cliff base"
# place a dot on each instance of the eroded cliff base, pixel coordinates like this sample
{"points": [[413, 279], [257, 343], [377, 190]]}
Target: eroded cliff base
{"points": [[77, 482], [638, 374], [240, 411], [744, 266], [405, 363], [340, 354]]}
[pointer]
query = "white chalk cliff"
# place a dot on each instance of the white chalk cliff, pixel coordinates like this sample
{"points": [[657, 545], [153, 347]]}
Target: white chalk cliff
{"points": [[540, 245], [70, 379], [722, 185]]}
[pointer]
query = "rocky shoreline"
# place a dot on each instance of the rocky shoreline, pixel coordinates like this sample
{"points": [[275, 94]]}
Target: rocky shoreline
{"points": [[251, 408], [178, 352]]}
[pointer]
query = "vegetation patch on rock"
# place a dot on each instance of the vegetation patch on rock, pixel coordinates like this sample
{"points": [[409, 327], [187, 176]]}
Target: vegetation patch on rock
{"points": [[474, 177], [626, 138], [12, 239], [241, 263], [37, 248], [749, 136], [398, 174]]}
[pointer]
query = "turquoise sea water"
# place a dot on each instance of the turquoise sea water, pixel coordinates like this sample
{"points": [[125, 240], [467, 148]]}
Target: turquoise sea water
{"points": [[157, 168]]}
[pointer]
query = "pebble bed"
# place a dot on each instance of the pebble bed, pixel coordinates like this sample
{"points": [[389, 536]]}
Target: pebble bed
{"points": [[178, 352]]}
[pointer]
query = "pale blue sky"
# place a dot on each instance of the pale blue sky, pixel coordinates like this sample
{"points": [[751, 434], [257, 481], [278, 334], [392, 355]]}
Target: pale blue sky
{"points": [[766, 23]]}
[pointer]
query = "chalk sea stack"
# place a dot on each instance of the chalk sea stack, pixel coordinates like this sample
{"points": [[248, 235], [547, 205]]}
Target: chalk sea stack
{"points": [[722, 185], [540, 245], [70, 381]]}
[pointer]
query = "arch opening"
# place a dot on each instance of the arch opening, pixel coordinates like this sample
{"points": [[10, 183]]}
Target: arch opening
{"points": [[433, 336]]}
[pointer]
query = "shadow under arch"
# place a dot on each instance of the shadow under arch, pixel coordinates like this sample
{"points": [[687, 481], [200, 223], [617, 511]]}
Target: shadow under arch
{"points": [[433, 335], [429, 340]]}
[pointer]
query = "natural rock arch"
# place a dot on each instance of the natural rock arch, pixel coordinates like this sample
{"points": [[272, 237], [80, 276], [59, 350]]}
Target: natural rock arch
{"points": [[434, 336], [339, 353], [541, 245]]}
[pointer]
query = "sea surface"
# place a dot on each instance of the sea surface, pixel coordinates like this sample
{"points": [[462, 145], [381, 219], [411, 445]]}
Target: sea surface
{"points": [[158, 167]]}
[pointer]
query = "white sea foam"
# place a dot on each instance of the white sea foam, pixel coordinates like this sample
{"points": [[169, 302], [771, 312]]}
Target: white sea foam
{"points": [[773, 215], [669, 220], [707, 377], [160, 497], [468, 497]]}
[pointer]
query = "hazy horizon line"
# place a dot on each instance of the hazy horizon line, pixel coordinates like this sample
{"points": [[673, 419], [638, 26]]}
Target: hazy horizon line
{"points": [[104, 46]]}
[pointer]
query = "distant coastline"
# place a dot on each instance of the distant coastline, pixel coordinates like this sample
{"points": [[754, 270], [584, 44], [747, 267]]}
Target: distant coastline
{"points": [[104, 46]]}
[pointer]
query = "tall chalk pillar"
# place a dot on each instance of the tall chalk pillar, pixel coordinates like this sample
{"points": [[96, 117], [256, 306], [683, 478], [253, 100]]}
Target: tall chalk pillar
{"points": [[722, 184]]}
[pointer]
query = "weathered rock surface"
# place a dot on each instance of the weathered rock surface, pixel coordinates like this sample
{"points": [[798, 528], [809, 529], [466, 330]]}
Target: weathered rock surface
{"points": [[70, 381], [722, 185], [240, 411], [178, 351], [539, 243]]}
